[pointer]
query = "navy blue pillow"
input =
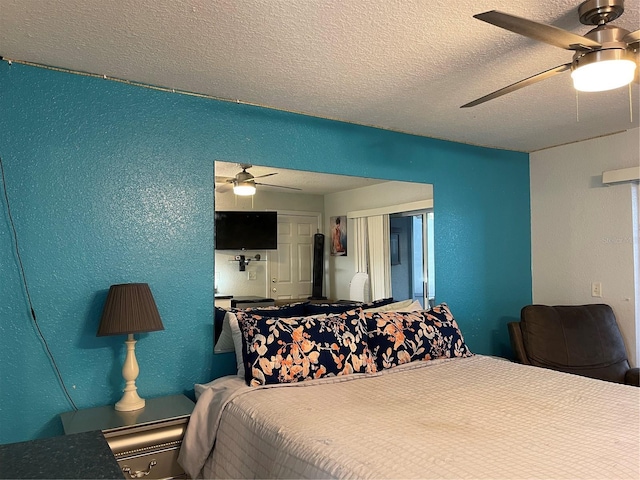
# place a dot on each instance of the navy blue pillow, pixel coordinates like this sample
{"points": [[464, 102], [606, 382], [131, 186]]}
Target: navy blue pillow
{"points": [[329, 308], [378, 303], [285, 350], [284, 311], [402, 337]]}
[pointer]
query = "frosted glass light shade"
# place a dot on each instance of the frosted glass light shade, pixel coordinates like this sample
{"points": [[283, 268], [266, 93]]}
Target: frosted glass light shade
{"points": [[245, 189], [603, 75]]}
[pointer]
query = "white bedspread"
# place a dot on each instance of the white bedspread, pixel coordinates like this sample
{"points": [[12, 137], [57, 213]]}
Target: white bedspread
{"points": [[475, 417]]}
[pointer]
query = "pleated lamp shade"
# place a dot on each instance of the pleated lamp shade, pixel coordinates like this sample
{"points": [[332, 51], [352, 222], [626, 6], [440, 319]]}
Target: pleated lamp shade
{"points": [[130, 308]]}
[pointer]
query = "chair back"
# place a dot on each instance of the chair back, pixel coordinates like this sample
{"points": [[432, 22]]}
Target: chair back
{"points": [[580, 339], [359, 287]]}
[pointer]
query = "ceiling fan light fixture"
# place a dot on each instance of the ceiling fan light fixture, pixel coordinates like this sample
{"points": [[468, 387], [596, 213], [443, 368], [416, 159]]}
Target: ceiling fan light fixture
{"points": [[245, 189], [602, 70]]}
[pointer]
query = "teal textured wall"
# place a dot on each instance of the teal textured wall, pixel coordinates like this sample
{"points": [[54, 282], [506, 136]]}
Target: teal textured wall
{"points": [[110, 183]]}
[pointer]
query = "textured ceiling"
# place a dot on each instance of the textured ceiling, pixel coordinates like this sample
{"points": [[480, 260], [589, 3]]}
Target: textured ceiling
{"points": [[401, 65]]}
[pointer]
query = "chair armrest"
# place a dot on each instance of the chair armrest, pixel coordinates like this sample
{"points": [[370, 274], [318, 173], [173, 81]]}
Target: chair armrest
{"points": [[517, 344], [632, 377]]}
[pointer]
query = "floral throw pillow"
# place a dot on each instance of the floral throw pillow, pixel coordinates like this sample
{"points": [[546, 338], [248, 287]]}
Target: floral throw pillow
{"points": [[402, 337], [286, 350]]}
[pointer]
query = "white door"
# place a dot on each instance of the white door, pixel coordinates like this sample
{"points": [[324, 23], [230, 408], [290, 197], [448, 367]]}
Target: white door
{"points": [[291, 266]]}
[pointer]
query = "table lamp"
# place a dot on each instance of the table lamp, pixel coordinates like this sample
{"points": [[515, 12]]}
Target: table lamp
{"points": [[129, 309]]}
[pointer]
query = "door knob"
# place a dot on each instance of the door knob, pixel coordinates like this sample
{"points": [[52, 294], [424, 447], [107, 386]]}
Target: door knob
{"points": [[274, 280]]}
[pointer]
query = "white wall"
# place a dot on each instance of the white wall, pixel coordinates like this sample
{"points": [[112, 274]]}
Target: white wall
{"points": [[583, 231], [341, 269]]}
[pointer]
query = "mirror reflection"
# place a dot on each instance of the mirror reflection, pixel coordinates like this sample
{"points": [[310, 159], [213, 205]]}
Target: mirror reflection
{"points": [[329, 228]]}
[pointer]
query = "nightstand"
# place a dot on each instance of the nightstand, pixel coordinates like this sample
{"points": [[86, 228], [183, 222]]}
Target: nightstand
{"points": [[145, 442]]}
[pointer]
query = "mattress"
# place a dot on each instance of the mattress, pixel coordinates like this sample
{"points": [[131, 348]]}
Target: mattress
{"points": [[477, 417]]}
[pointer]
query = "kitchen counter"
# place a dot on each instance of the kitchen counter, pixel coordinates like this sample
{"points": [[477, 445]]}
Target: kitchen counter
{"points": [[82, 455]]}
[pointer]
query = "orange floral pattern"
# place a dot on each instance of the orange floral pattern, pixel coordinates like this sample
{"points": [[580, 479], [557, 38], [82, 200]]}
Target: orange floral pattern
{"points": [[402, 337], [285, 350]]}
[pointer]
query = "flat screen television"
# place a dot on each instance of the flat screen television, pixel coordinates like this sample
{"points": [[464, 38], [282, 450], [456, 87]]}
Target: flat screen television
{"points": [[247, 230]]}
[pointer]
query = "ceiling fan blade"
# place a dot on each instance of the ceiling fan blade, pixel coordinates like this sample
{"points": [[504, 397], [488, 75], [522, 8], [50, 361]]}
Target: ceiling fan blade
{"points": [[538, 31], [223, 179], [521, 84], [633, 37], [266, 175], [223, 187], [277, 186]]}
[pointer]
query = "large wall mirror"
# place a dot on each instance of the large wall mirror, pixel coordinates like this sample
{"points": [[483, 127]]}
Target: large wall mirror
{"points": [[333, 205]]}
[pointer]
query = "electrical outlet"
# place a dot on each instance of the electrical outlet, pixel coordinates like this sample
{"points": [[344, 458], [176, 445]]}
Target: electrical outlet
{"points": [[251, 274], [596, 289]]}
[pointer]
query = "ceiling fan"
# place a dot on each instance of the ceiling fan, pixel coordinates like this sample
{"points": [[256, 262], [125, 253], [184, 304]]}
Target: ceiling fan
{"points": [[244, 183], [603, 58]]}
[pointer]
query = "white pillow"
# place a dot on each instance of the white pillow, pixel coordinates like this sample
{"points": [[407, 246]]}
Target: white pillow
{"points": [[391, 307], [225, 340], [236, 335], [414, 307]]}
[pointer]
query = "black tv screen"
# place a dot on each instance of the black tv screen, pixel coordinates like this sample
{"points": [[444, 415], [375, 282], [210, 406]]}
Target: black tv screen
{"points": [[246, 230]]}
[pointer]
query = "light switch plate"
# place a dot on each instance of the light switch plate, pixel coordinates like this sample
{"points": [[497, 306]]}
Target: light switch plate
{"points": [[596, 289]]}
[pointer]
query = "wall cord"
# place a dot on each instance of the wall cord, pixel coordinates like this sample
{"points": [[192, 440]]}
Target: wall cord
{"points": [[26, 288]]}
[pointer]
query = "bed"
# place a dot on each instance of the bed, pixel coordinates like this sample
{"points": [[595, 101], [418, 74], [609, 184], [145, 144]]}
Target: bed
{"points": [[467, 416]]}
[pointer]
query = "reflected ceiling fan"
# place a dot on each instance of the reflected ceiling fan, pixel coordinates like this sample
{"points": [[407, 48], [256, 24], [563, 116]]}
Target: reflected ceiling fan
{"points": [[605, 58], [244, 183]]}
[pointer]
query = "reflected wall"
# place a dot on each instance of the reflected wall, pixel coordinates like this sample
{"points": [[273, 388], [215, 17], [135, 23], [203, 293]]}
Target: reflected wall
{"points": [[338, 270]]}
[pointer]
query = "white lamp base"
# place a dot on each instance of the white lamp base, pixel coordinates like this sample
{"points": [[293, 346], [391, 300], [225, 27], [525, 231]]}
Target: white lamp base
{"points": [[130, 370], [129, 402]]}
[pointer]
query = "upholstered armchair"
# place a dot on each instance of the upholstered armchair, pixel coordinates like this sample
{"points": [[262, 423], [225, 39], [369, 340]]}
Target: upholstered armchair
{"points": [[580, 339]]}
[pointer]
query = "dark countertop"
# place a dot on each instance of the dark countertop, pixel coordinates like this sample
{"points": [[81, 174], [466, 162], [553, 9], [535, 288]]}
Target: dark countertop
{"points": [[244, 299], [250, 299], [81, 455]]}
